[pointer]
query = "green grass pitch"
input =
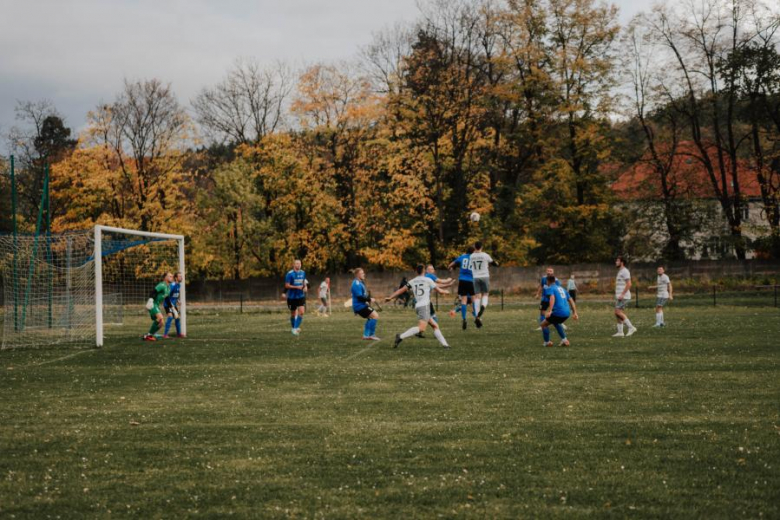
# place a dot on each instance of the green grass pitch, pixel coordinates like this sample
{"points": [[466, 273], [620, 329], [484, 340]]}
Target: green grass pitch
{"points": [[242, 418]]}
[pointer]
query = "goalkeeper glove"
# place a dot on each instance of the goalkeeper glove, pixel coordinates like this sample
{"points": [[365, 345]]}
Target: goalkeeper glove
{"points": [[149, 304]]}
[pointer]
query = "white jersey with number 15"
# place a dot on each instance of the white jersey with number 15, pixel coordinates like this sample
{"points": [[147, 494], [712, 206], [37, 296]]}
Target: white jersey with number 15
{"points": [[421, 288]]}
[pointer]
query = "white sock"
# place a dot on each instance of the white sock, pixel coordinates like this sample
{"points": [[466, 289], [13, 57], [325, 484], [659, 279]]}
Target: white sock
{"points": [[476, 305], [440, 337], [628, 322], [411, 332], [659, 318], [620, 328], [485, 300]]}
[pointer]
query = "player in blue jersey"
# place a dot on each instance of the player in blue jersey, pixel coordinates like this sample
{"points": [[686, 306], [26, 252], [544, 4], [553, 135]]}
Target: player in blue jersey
{"points": [[295, 285], [171, 305], [465, 282], [540, 292], [559, 308], [361, 305]]}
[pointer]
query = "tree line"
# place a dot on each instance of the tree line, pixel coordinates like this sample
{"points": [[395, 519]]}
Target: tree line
{"points": [[522, 110]]}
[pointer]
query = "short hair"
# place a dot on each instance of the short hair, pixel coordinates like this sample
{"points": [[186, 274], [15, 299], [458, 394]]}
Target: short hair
{"points": [[470, 249], [430, 265], [551, 280], [478, 245], [622, 259], [420, 268]]}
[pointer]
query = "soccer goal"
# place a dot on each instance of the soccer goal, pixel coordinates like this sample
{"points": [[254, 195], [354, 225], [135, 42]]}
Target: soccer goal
{"points": [[74, 288]]}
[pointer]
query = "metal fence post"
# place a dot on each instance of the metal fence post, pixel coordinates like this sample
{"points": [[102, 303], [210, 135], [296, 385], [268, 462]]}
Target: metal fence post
{"points": [[502, 299], [637, 298], [714, 296], [241, 303]]}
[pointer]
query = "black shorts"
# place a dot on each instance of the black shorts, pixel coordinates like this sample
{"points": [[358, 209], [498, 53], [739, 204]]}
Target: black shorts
{"points": [[555, 320], [465, 288], [365, 312], [294, 303], [169, 308], [573, 295], [433, 309], [544, 305]]}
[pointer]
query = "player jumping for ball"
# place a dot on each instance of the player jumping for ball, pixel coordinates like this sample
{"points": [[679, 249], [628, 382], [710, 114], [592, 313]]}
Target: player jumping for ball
{"points": [[480, 263]]}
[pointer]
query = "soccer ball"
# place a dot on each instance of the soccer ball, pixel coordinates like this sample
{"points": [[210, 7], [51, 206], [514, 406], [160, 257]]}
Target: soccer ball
{"points": [[475, 217]]}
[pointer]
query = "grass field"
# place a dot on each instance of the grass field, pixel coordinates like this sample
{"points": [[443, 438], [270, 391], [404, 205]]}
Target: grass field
{"points": [[244, 419]]}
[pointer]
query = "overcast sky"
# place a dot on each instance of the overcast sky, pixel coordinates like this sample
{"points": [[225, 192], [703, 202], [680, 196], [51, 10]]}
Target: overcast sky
{"points": [[76, 53]]}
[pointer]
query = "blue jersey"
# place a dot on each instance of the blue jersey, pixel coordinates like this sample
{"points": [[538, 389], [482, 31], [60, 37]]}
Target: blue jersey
{"points": [[561, 305], [545, 296], [173, 297], [464, 262], [359, 295], [295, 278], [432, 277]]}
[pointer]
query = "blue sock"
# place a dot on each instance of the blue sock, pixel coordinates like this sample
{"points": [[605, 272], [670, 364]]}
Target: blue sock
{"points": [[436, 319], [168, 324], [178, 326], [367, 329], [541, 318], [561, 332], [298, 322], [546, 334], [473, 310], [372, 327], [292, 321], [463, 310]]}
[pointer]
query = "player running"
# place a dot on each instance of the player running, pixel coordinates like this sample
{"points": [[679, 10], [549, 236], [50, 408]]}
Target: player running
{"points": [[622, 297], [421, 287], [664, 286], [156, 299], [361, 305], [465, 283], [172, 306], [295, 285], [560, 307], [479, 264]]}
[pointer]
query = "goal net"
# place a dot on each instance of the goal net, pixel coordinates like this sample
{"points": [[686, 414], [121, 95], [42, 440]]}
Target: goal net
{"points": [[78, 288]]}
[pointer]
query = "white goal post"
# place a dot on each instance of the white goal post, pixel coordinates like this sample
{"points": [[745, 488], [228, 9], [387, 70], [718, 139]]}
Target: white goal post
{"points": [[98, 255]]}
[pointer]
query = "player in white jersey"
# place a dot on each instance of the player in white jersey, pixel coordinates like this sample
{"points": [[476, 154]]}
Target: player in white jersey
{"points": [[622, 297], [664, 287], [324, 294], [479, 263], [421, 287]]}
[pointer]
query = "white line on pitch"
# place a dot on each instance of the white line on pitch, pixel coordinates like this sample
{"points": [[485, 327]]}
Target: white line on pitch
{"points": [[60, 358]]}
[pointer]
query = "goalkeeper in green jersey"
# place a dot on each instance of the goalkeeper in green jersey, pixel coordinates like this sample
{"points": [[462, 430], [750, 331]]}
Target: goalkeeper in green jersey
{"points": [[155, 304]]}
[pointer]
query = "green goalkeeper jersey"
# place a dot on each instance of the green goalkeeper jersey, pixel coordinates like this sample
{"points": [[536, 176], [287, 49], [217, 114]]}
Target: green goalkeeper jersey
{"points": [[162, 290]]}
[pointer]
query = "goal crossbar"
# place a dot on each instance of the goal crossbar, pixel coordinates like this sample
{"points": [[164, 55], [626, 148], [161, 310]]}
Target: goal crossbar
{"points": [[98, 256]]}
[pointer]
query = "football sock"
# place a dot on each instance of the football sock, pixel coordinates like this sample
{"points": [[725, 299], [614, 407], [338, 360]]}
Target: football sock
{"points": [[463, 310], [628, 322], [546, 334], [367, 329], [659, 318], [476, 306], [620, 328], [298, 320], [292, 321], [411, 332], [168, 324], [541, 318], [154, 328], [561, 332], [177, 323], [473, 309], [372, 327], [440, 337], [485, 300]]}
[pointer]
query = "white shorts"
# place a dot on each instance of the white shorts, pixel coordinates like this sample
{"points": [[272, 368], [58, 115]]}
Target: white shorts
{"points": [[481, 285], [423, 313]]}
